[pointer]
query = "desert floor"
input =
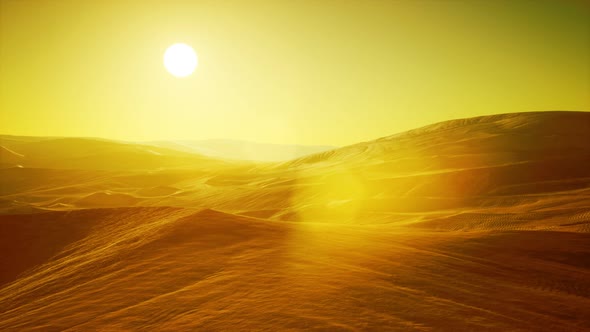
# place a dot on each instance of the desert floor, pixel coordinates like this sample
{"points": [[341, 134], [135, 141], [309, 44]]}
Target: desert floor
{"points": [[479, 224]]}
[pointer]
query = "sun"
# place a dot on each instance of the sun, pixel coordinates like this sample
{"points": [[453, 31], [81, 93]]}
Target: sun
{"points": [[180, 60]]}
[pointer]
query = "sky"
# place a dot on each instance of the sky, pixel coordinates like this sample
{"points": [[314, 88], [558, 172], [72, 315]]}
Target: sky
{"points": [[293, 72]]}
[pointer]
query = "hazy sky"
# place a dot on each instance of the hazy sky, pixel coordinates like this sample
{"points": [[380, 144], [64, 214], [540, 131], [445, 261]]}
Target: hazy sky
{"points": [[310, 72]]}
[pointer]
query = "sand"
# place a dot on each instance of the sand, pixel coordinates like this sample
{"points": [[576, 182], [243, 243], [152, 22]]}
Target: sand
{"points": [[478, 224]]}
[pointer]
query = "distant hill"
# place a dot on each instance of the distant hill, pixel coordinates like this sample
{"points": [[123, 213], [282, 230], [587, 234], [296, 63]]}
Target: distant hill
{"points": [[243, 150]]}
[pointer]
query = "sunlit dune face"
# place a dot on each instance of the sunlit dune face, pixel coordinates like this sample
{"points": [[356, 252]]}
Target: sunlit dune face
{"points": [[336, 197], [180, 60]]}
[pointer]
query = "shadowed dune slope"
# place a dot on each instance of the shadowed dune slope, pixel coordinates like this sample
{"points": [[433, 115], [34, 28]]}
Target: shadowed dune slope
{"points": [[180, 269]]}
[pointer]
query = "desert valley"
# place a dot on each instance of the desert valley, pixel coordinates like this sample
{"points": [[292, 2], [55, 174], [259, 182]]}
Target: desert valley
{"points": [[478, 224]]}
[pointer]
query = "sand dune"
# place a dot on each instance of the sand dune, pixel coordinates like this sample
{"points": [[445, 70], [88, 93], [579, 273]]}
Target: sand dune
{"points": [[158, 191], [478, 224], [9, 158], [176, 269], [107, 199], [99, 154]]}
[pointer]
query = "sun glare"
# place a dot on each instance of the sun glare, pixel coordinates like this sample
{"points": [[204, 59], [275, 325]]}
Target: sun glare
{"points": [[180, 60]]}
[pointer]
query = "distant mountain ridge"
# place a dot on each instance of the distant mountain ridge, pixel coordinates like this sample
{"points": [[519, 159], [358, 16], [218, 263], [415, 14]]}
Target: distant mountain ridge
{"points": [[243, 150]]}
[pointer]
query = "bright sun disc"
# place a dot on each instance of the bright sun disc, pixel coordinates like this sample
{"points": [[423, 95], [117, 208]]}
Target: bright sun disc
{"points": [[180, 60]]}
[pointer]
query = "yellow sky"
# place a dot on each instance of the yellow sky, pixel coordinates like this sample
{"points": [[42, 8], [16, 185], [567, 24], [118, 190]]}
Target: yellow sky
{"points": [[307, 72]]}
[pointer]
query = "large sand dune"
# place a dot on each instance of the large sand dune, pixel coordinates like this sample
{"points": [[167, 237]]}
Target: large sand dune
{"points": [[478, 224]]}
